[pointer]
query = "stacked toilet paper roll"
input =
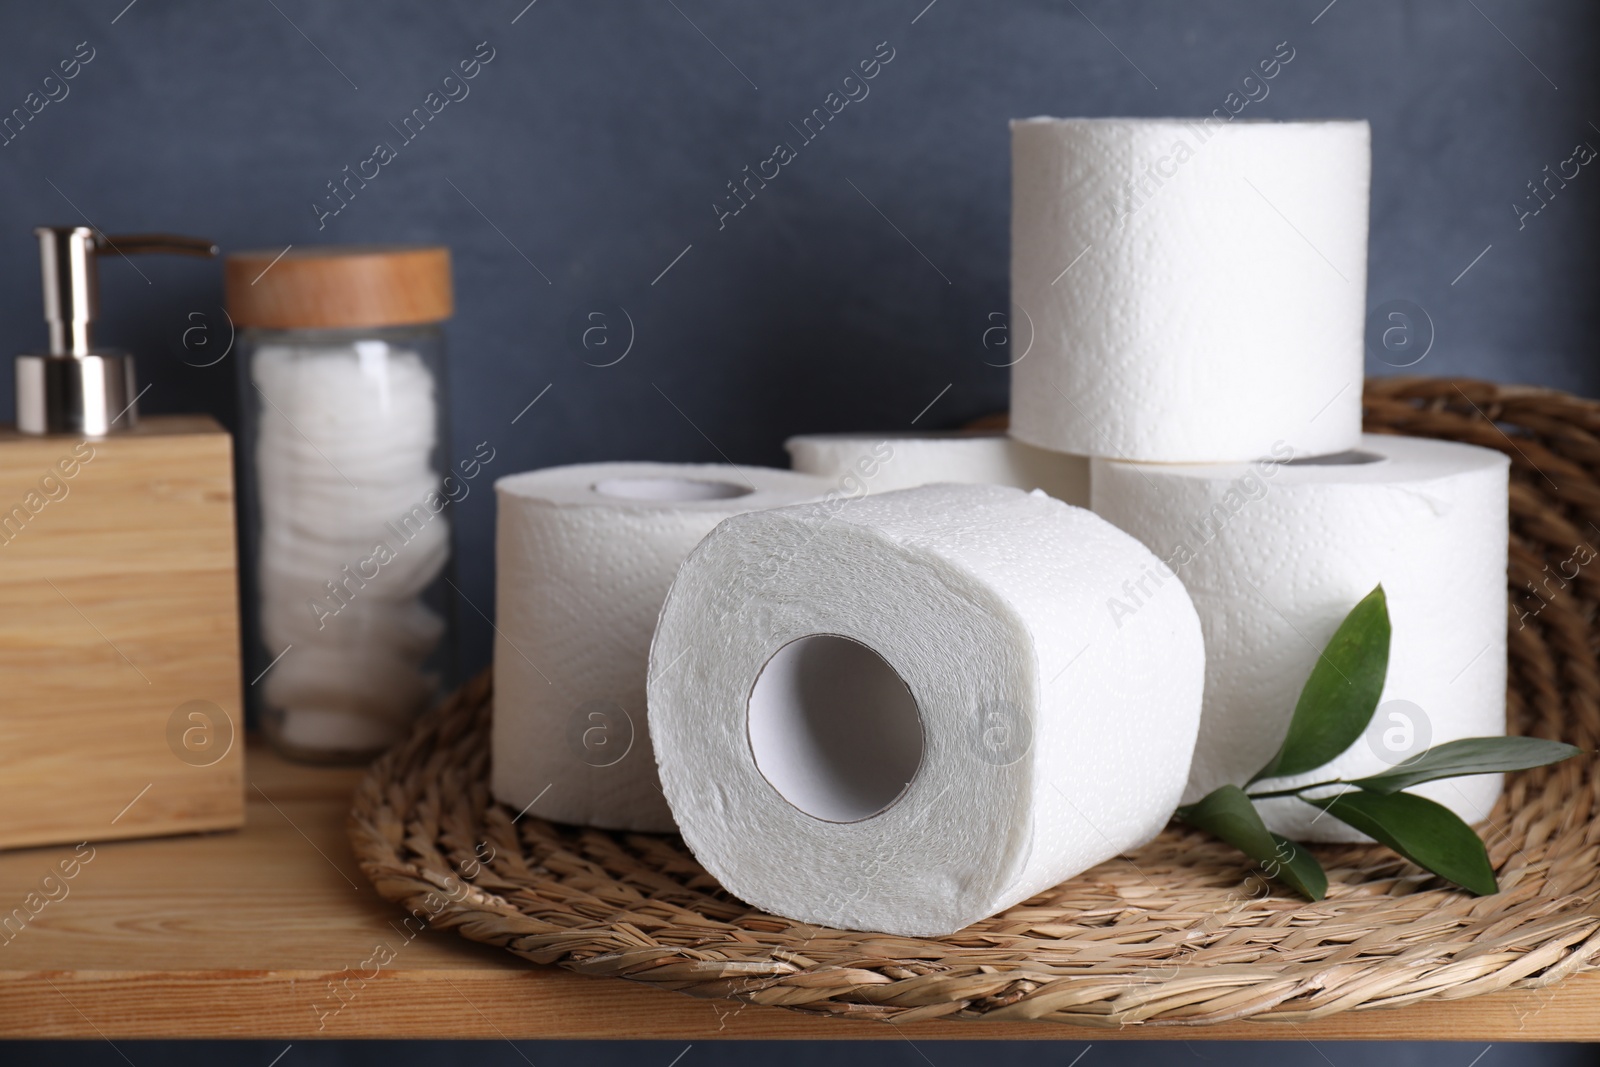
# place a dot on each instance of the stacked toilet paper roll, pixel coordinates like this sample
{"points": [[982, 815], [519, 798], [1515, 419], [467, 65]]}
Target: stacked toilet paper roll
{"points": [[1197, 291], [1275, 555], [584, 556], [907, 711], [878, 463]]}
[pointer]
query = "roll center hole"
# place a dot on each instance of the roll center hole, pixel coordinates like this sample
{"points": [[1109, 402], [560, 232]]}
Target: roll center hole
{"points": [[834, 729], [669, 489], [1353, 457]]}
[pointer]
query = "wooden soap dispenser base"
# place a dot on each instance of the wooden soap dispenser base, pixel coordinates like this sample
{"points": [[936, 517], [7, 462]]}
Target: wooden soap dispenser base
{"points": [[119, 645]]}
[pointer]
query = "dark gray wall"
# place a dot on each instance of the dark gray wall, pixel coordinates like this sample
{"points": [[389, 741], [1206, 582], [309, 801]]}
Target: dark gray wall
{"points": [[854, 288], [595, 144]]}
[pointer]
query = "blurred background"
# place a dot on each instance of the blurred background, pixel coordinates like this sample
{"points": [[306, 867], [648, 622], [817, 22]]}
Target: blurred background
{"points": [[608, 275]]}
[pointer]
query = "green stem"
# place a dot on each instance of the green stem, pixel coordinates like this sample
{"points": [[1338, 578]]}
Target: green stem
{"points": [[1296, 791]]}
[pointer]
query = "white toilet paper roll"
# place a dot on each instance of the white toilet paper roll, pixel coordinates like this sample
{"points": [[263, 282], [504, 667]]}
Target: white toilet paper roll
{"points": [[1196, 291], [584, 555], [878, 463], [1275, 555], [908, 711]]}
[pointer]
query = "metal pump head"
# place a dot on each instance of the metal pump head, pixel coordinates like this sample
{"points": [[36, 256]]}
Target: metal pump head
{"points": [[74, 388]]}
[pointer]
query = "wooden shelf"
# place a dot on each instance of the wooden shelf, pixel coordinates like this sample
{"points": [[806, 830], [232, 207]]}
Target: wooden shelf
{"points": [[239, 935]]}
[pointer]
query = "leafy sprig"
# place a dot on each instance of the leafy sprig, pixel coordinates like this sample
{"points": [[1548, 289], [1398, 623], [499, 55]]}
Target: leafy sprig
{"points": [[1333, 712]]}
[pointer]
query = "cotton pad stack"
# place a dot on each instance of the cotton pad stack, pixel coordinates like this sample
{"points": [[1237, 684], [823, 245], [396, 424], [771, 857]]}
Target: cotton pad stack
{"points": [[1198, 295], [877, 463], [334, 476], [583, 558], [908, 711]]}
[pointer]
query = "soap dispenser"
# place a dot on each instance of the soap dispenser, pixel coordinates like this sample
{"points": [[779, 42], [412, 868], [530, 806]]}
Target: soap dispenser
{"points": [[120, 716], [75, 387]]}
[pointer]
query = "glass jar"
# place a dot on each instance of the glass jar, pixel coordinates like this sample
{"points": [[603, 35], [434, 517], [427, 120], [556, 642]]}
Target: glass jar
{"points": [[345, 532]]}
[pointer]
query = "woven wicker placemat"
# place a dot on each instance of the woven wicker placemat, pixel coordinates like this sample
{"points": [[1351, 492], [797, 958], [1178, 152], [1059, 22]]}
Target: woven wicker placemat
{"points": [[1177, 932]]}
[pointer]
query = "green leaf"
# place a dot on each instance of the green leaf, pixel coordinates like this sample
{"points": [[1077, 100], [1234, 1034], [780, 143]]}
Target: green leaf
{"points": [[1428, 834], [1227, 813], [1342, 693], [1470, 755], [1307, 874]]}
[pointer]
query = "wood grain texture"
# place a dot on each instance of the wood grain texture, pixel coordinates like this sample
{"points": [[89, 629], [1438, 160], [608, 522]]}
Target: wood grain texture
{"points": [[241, 935], [118, 605], [339, 286]]}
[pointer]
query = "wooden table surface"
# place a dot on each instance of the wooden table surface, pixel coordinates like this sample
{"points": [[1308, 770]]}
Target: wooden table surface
{"points": [[239, 934]]}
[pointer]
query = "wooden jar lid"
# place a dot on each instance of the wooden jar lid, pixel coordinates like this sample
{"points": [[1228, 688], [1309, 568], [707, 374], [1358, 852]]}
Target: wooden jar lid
{"points": [[339, 286]]}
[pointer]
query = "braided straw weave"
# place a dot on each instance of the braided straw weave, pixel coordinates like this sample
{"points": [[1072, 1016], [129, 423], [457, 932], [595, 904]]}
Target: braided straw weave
{"points": [[1178, 932]]}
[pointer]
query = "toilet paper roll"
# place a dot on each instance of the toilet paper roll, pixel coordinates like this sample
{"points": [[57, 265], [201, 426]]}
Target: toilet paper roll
{"points": [[1275, 555], [908, 711], [878, 463], [584, 555], [1195, 290]]}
